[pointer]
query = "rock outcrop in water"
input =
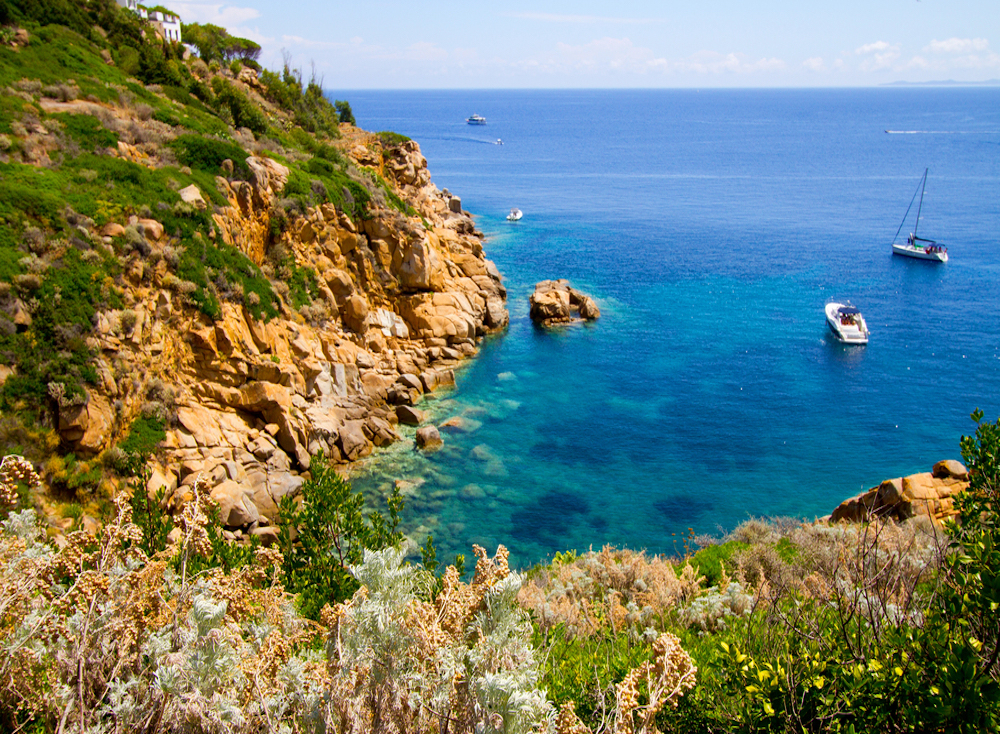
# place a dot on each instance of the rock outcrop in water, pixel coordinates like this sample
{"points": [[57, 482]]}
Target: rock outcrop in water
{"points": [[555, 302], [928, 494]]}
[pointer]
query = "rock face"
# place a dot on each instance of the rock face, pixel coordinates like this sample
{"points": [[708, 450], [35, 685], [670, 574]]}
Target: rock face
{"points": [[402, 299], [555, 302], [930, 494]]}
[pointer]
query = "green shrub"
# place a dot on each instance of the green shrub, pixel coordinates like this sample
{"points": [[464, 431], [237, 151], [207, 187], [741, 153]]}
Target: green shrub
{"points": [[203, 262], [88, 131], [128, 60], [245, 112], [332, 532], [708, 561], [144, 436], [70, 478], [166, 117], [18, 198], [584, 670], [207, 154], [390, 139], [311, 111], [303, 285]]}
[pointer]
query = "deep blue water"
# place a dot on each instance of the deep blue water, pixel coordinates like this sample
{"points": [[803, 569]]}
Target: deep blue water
{"points": [[711, 227]]}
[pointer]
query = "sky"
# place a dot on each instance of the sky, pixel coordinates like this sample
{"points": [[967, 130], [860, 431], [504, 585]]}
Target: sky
{"points": [[406, 44]]}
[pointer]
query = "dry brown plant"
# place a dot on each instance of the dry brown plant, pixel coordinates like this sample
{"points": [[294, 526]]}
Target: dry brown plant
{"points": [[878, 566], [15, 470], [96, 636], [623, 588], [659, 682]]}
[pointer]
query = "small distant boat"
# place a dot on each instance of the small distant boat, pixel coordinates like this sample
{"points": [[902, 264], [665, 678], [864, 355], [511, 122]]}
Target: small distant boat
{"points": [[919, 247], [476, 120], [515, 214], [846, 323], [499, 141]]}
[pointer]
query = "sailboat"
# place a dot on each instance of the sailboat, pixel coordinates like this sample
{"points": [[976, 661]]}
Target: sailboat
{"points": [[919, 247]]}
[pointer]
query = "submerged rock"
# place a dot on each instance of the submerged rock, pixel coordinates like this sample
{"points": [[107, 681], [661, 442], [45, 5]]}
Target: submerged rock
{"points": [[429, 439]]}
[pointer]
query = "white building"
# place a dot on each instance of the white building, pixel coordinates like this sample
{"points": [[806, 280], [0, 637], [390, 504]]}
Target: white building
{"points": [[167, 25], [134, 6]]}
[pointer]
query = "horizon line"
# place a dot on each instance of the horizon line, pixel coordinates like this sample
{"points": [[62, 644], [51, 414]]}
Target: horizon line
{"points": [[992, 83]]}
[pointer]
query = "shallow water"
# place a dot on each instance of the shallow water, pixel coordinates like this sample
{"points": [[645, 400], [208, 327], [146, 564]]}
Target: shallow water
{"points": [[711, 227]]}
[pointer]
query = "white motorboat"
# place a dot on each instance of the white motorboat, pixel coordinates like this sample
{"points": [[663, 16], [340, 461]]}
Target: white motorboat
{"points": [[476, 120], [515, 215], [847, 323], [919, 247]]}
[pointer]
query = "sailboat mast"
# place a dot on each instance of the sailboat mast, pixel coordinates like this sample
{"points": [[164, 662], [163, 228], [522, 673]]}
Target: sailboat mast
{"points": [[920, 206]]}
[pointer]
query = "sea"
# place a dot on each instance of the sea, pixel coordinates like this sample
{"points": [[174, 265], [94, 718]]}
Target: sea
{"points": [[711, 226]]}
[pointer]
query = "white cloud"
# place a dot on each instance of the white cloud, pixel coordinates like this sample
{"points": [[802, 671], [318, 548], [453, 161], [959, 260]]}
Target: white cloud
{"points": [[300, 42], [814, 64], [957, 55], [216, 13], [957, 46], [878, 56], [712, 62], [880, 46]]}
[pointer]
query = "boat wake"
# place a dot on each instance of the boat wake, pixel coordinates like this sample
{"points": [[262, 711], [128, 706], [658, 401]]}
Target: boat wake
{"points": [[943, 132]]}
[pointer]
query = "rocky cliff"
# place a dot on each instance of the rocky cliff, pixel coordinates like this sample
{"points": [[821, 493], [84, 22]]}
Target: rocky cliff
{"points": [[403, 298]]}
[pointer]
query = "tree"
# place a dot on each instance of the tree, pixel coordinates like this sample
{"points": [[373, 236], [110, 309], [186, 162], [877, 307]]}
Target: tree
{"points": [[241, 48], [215, 44], [344, 110], [207, 38]]}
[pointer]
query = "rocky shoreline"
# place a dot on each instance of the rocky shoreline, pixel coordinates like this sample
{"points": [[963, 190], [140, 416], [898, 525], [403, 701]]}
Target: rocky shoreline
{"points": [[926, 494], [405, 298]]}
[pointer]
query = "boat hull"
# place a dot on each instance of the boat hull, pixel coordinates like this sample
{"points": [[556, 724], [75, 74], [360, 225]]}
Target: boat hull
{"points": [[919, 253], [853, 335]]}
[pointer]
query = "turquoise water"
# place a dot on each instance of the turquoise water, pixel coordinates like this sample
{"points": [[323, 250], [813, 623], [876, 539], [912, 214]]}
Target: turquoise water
{"points": [[711, 227]]}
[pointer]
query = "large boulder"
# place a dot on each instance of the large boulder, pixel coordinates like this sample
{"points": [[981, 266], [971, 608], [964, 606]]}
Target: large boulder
{"points": [[236, 505], [86, 425], [429, 439], [555, 302], [421, 268], [929, 494], [192, 195], [352, 440], [409, 416], [356, 314]]}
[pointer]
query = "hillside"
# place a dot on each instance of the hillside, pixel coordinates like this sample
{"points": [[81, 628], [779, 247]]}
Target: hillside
{"points": [[215, 293], [212, 269]]}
